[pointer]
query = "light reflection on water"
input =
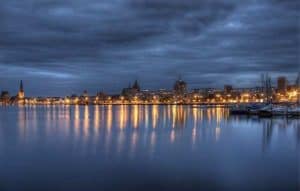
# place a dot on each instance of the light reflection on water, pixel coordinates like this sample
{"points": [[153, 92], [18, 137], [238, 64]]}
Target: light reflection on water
{"points": [[192, 141], [89, 122]]}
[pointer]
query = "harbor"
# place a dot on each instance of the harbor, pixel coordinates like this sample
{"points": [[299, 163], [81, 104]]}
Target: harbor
{"points": [[266, 110]]}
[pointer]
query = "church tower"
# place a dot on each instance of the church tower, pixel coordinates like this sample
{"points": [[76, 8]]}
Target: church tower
{"points": [[21, 94], [136, 86]]}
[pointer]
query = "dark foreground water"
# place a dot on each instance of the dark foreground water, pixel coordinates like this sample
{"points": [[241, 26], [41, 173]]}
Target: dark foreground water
{"points": [[85, 148]]}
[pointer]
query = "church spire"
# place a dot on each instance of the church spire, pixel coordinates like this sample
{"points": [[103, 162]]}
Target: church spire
{"points": [[21, 87], [21, 94], [136, 86]]}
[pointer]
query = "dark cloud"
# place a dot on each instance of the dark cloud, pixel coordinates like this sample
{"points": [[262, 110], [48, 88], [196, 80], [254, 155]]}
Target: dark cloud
{"points": [[73, 45]]}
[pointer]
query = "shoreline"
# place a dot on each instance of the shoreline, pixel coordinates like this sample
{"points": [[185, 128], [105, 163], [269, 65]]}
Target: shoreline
{"points": [[184, 104]]}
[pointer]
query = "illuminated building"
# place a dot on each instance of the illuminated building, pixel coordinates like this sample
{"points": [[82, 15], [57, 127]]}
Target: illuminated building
{"points": [[4, 98], [131, 92], [84, 99], [21, 94], [102, 97], [20, 97], [179, 95]]}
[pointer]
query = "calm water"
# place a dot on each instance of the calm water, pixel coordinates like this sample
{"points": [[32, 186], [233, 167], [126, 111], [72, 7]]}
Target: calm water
{"points": [[86, 148]]}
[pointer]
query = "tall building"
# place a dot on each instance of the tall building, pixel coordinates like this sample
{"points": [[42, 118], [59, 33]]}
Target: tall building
{"points": [[281, 84], [131, 91], [21, 94], [180, 87], [136, 86], [297, 83], [228, 89]]}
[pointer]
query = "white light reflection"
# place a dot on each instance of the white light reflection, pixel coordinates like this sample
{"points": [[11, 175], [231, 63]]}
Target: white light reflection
{"points": [[22, 120], [77, 120], [154, 115], [172, 136], [133, 144]]}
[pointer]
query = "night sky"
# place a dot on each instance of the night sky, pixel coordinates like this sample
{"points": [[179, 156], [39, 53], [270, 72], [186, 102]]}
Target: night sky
{"points": [[60, 47]]}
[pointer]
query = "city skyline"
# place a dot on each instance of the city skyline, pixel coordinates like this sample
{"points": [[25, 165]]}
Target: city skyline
{"points": [[59, 48], [257, 84], [283, 92]]}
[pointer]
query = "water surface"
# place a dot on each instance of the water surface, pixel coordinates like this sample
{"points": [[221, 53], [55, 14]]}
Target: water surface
{"points": [[86, 148]]}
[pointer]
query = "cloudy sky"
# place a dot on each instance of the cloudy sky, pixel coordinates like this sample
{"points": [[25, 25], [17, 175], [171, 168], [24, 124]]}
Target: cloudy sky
{"points": [[59, 47]]}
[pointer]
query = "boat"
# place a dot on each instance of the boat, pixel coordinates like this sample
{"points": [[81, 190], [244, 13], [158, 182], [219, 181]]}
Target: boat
{"points": [[280, 110], [294, 112], [274, 110], [250, 109], [266, 111], [239, 110], [253, 109]]}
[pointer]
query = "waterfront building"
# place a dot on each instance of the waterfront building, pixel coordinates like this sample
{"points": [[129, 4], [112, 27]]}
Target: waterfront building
{"points": [[195, 96], [5, 97], [281, 84], [21, 93], [84, 98], [284, 93], [131, 91], [101, 98], [180, 87], [74, 99], [136, 86], [297, 83], [20, 97], [228, 89]]}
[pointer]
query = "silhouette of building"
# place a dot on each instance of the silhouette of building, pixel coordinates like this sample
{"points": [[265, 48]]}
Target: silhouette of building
{"points": [[136, 86], [180, 87], [21, 93], [84, 98], [297, 83], [281, 84], [228, 89], [131, 91], [4, 98]]}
